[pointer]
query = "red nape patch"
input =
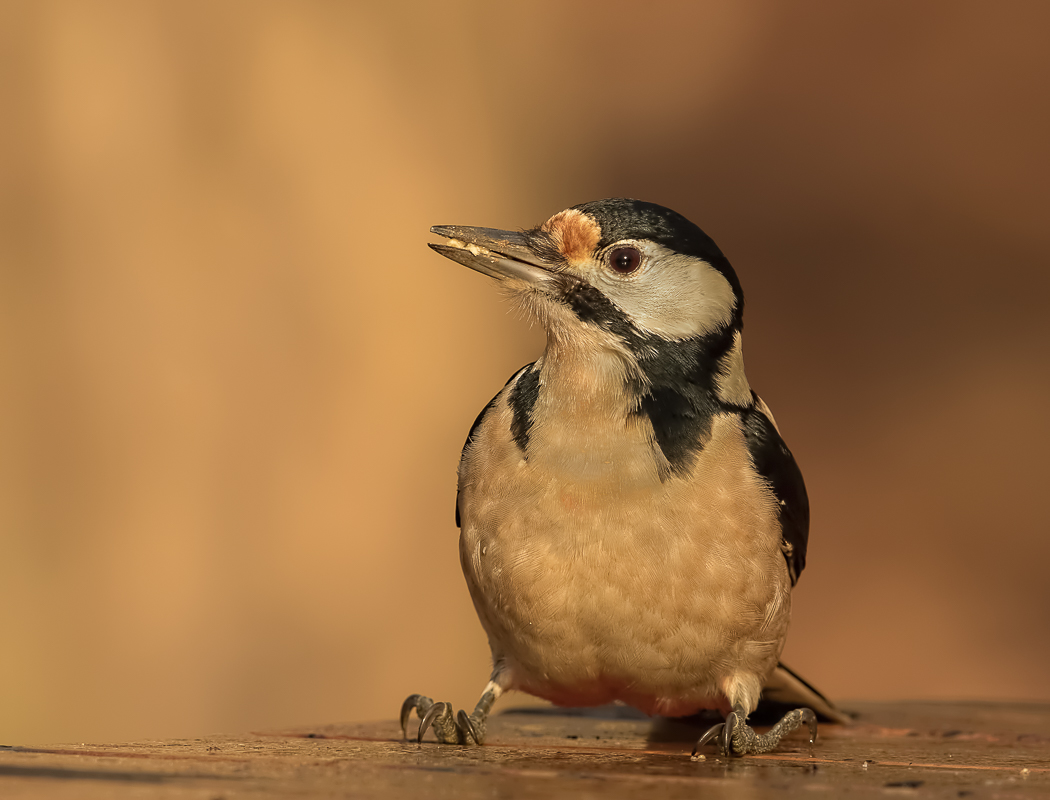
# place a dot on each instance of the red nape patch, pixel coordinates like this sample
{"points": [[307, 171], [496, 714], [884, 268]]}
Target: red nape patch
{"points": [[574, 233]]}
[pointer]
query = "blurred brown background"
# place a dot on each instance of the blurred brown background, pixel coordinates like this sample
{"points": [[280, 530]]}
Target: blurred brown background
{"points": [[234, 382]]}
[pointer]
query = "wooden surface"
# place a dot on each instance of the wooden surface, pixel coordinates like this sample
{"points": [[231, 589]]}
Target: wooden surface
{"points": [[901, 749]]}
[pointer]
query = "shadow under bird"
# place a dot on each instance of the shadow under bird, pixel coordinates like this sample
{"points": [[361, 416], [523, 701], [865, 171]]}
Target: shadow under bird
{"points": [[632, 522]]}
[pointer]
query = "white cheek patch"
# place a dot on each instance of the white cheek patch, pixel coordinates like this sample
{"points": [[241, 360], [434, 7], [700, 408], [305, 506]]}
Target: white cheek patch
{"points": [[675, 296]]}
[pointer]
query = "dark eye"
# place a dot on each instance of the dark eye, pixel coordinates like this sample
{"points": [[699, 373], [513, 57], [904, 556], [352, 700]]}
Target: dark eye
{"points": [[625, 260]]}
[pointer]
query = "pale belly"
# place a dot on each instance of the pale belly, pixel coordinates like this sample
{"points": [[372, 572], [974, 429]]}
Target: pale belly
{"points": [[657, 593]]}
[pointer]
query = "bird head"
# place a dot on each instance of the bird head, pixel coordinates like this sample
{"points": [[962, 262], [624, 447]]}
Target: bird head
{"points": [[633, 269], [629, 278]]}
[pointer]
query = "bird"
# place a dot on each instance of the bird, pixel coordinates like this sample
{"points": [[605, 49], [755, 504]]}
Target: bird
{"points": [[631, 521]]}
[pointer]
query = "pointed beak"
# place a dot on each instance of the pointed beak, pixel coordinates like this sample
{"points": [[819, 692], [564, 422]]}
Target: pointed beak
{"points": [[498, 254]]}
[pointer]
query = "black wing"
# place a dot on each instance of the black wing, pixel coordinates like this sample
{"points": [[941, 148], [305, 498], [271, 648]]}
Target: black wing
{"points": [[774, 462], [477, 423]]}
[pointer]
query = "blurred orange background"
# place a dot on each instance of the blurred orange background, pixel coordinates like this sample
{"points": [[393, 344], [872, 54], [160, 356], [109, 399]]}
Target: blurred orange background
{"points": [[234, 382]]}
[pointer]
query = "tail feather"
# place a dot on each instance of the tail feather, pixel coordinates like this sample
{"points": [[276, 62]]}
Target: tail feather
{"points": [[786, 687]]}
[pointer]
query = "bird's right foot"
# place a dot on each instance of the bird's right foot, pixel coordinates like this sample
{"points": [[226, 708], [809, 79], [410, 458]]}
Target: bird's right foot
{"points": [[462, 729]]}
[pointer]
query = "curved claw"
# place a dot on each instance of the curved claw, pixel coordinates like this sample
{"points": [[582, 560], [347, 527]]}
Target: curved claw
{"points": [[466, 725], [411, 703], [726, 739], [811, 721], [710, 734], [432, 712]]}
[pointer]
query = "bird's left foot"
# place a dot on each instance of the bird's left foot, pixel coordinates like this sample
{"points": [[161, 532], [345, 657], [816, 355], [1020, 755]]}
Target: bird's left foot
{"points": [[735, 737]]}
